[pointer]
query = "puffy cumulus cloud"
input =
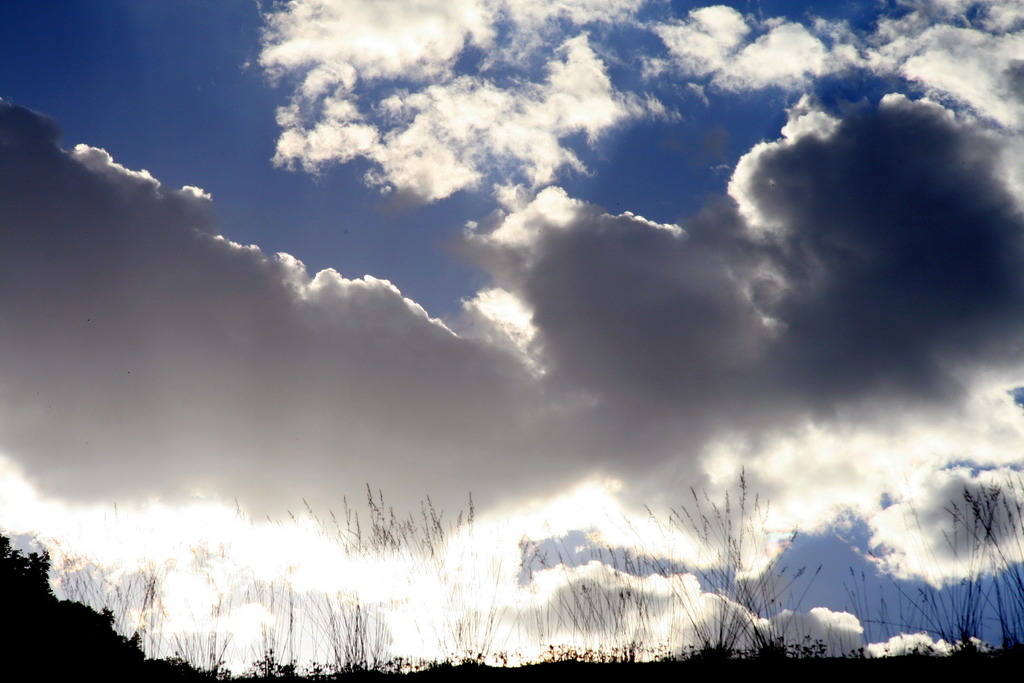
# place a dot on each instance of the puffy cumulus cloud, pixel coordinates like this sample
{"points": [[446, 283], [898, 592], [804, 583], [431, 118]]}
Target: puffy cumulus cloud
{"points": [[626, 310], [840, 633], [453, 135], [965, 52], [149, 355], [915, 644], [383, 85], [740, 53], [880, 292], [804, 119], [342, 42]]}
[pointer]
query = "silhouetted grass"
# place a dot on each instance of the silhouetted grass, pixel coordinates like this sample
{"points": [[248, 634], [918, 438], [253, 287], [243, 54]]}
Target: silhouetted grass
{"points": [[984, 540], [733, 604]]}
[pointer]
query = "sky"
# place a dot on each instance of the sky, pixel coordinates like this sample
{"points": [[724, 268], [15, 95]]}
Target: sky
{"points": [[572, 259]]}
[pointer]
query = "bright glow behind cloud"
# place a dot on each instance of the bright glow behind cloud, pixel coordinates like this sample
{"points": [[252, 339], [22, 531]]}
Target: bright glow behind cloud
{"points": [[189, 578]]}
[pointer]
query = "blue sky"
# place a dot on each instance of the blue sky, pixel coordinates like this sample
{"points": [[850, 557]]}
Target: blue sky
{"points": [[567, 256]]}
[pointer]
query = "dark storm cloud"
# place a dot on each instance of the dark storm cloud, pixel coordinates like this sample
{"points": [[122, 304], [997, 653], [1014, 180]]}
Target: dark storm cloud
{"points": [[894, 270], [642, 317], [143, 353], [902, 255]]}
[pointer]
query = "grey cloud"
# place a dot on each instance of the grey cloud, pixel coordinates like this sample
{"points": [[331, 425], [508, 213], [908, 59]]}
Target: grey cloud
{"points": [[902, 256], [895, 273], [1014, 74], [143, 354], [642, 317]]}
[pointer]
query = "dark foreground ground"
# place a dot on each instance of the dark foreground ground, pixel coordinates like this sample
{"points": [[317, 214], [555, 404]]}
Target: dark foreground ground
{"points": [[59, 669], [689, 669]]}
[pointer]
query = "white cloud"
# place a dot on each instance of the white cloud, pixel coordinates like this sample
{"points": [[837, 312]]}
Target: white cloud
{"points": [[703, 43], [552, 207], [387, 89], [500, 311], [961, 51], [335, 44], [993, 14], [1003, 15], [402, 103], [971, 66], [529, 14], [909, 644], [453, 135], [740, 54], [969, 53], [839, 633]]}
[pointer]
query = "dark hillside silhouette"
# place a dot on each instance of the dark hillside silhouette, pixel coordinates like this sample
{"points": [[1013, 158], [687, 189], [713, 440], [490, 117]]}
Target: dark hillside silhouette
{"points": [[47, 638]]}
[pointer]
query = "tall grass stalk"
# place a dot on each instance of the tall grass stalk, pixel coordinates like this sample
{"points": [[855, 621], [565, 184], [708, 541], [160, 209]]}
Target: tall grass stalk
{"points": [[993, 519], [978, 593], [752, 600]]}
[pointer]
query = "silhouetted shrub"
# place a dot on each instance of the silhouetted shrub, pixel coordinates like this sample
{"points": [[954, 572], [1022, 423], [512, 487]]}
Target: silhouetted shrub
{"points": [[51, 639]]}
